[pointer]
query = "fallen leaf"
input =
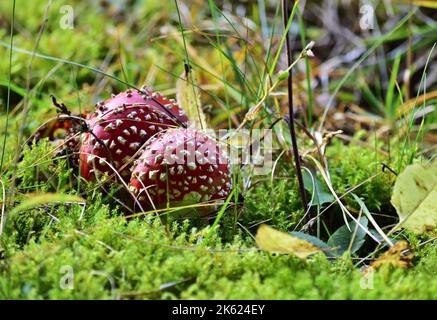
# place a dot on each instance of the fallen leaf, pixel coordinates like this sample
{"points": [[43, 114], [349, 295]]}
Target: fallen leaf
{"points": [[398, 256], [189, 99], [275, 241], [415, 197], [409, 105], [420, 3]]}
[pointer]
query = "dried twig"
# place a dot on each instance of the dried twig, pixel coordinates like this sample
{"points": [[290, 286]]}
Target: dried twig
{"points": [[287, 12]]}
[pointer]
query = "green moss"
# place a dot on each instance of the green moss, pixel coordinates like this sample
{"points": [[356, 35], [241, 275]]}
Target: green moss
{"points": [[279, 203], [353, 164], [111, 257], [141, 258], [134, 259]]}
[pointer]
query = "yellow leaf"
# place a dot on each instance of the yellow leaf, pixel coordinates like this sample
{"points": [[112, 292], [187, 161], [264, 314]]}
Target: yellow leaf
{"points": [[415, 197], [275, 241], [398, 256], [420, 3], [188, 98]]}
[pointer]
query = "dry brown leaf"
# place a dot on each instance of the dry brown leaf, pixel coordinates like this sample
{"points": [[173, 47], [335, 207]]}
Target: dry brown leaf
{"points": [[410, 104], [398, 256]]}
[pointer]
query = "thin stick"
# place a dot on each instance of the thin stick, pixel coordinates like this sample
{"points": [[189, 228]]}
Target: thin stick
{"points": [[3, 215], [296, 156]]}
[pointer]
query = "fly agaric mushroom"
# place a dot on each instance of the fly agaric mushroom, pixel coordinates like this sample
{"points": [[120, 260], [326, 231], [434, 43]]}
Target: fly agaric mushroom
{"points": [[120, 126], [181, 166], [146, 96], [63, 133]]}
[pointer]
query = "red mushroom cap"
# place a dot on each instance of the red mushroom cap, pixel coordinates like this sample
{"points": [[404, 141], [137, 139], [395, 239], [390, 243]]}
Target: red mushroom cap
{"points": [[181, 165], [118, 129], [146, 96]]}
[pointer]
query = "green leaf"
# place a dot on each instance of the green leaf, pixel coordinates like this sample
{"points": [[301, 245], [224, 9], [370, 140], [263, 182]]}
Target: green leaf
{"points": [[341, 239], [372, 221], [415, 197], [321, 194], [315, 241], [311, 239]]}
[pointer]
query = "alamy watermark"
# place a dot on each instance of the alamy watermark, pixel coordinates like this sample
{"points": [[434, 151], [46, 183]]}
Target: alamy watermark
{"points": [[367, 281], [367, 16], [244, 147], [67, 18], [67, 277]]}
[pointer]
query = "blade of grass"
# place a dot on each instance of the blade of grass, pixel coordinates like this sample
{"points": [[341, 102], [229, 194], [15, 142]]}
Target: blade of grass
{"points": [[213, 9], [8, 101], [218, 218], [188, 74], [3, 209], [26, 106], [96, 70], [411, 119], [42, 56], [307, 70], [21, 91], [352, 70], [41, 199], [252, 58], [284, 37], [370, 97], [268, 55], [389, 107]]}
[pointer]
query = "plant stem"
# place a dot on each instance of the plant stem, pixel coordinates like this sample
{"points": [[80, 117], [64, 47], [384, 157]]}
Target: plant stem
{"points": [[287, 13], [8, 102]]}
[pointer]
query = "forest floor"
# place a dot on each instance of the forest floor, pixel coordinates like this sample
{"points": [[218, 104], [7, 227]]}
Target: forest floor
{"points": [[364, 106]]}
